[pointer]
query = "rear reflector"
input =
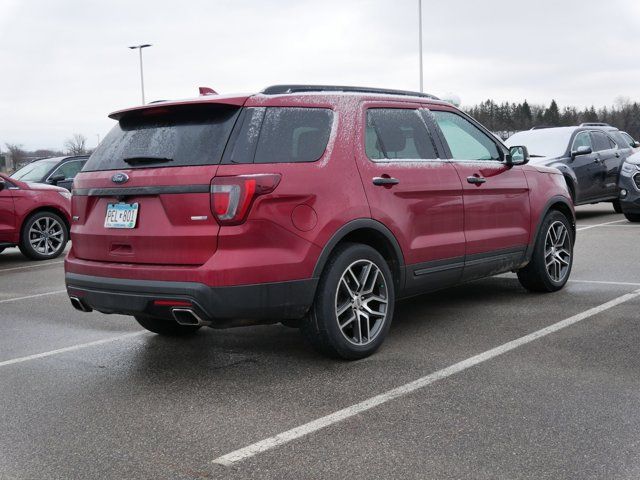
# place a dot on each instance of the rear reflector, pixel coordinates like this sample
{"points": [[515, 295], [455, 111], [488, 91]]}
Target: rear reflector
{"points": [[172, 303], [232, 197]]}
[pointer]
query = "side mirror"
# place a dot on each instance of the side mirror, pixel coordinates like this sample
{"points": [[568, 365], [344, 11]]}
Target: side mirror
{"points": [[635, 144], [518, 155], [582, 150], [56, 178], [2, 184]]}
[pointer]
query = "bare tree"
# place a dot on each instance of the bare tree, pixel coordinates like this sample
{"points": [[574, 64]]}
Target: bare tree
{"points": [[76, 145], [16, 154]]}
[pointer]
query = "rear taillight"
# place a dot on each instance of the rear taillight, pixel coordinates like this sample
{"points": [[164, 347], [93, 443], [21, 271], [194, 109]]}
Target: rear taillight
{"points": [[231, 197]]}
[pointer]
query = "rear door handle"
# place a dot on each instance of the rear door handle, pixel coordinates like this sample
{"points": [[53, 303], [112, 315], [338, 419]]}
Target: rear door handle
{"points": [[385, 181], [476, 180]]}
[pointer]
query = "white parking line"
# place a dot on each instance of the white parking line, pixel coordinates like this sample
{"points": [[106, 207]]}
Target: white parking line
{"points": [[38, 264], [333, 418], [621, 226], [72, 348], [587, 227], [17, 299], [603, 282]]}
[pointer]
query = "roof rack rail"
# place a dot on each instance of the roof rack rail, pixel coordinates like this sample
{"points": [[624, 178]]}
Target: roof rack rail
{"points": [[594, 124], [284, 89]]}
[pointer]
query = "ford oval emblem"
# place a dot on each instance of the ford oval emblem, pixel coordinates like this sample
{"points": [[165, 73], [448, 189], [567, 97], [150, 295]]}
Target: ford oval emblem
{"points": [[120, 178]]}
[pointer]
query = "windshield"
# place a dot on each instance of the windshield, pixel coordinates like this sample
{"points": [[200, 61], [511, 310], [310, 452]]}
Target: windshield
{"points": [[166, 137], [547, 142], [35, 171]]}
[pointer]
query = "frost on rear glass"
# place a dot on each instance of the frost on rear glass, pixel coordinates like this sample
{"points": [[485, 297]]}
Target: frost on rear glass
{"points": [[195, 136], [545, 142]]}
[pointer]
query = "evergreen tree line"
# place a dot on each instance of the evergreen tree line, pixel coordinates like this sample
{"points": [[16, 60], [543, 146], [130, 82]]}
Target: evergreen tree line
{"points": [[507, 118]]}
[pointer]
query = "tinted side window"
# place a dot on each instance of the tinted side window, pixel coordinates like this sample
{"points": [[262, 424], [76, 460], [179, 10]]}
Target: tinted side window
{"points": [[291, 135], [245, 138], [398, 134], [69, 169], [466, 141], [628, 138], [583, 139], [600, 141]]}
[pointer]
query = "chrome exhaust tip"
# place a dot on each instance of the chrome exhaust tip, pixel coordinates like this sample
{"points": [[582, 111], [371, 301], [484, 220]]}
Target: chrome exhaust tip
{"points": [[79, 305], [186, 316]]}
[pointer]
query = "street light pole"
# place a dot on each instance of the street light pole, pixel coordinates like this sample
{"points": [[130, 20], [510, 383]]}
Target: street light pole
{"points": [[420, 40], [139, 48]]}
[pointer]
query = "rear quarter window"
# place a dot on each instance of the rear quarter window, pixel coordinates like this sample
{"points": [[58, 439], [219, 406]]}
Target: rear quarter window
{"points": [[293, 135]]}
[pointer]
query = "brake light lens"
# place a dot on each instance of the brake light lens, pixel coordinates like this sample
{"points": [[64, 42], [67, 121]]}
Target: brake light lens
{"points": [[232, 197]]}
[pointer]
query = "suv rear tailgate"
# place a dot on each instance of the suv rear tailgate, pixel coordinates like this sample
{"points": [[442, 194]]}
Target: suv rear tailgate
{"points": [[158, 163], [174, 223]]}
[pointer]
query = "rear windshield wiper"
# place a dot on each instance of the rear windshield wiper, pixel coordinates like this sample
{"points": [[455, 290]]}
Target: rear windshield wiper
{"points": [[141, 160], [531, 155]]}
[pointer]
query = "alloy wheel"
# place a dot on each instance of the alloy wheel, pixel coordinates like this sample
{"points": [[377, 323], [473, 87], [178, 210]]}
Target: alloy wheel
{"points": [[46, 236], [557, 251], [361, 302]]}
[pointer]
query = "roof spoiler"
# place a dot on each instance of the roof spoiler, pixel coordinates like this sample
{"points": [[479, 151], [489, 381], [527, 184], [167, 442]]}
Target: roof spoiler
{"points": [[207, 91]]}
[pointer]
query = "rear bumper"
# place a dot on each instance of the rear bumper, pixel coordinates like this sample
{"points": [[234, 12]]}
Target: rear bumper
{"points": [[222, 306]]}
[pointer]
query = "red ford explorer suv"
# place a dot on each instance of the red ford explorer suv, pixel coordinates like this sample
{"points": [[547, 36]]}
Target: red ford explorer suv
{"points": [[314, 206], [34, 217]]}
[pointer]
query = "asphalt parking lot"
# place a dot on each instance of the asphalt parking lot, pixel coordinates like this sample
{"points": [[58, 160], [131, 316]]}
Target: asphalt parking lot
{"points": [[93, 396]]}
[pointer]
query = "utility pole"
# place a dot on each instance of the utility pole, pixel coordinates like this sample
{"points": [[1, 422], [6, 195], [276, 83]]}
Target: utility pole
{"points": [[139, 48], [420, 41]]}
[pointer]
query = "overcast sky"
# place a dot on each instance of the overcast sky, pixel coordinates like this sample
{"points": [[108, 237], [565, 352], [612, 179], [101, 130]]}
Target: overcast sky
{"points": [[65, 63]]}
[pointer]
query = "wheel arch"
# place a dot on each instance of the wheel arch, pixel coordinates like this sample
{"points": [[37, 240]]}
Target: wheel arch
{"points": [[560, 204], [47, 208], [368, 232]]}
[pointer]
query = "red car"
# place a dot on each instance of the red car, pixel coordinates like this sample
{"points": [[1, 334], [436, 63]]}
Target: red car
{"points": [[35, 217], [314, 206]]}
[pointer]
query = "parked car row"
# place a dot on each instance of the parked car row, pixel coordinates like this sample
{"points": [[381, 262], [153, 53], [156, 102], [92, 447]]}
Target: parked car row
{"points": [[58, 171], [589, 156]]}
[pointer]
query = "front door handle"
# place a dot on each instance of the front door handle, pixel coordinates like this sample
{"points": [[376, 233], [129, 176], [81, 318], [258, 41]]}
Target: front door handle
{"points": [[476, 180], [385, 181]]}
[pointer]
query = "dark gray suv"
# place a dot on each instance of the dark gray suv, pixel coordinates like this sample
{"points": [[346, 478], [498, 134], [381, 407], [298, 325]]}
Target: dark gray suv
{"points": [[630, 188], [589, 156]]}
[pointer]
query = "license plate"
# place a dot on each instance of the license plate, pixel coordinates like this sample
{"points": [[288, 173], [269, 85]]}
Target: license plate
{"points": [[121, 215]]}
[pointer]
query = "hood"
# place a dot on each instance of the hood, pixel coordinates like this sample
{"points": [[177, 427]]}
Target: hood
{"points": [[541, 160], [42, 186], [633, 159], [545, 169]]}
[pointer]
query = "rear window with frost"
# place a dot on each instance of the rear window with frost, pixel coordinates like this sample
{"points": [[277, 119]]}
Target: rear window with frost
{"points": [[171, 137]]}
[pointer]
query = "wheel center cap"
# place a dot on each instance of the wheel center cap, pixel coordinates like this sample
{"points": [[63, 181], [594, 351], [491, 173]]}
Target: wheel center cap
{"points": [[357, 302]]}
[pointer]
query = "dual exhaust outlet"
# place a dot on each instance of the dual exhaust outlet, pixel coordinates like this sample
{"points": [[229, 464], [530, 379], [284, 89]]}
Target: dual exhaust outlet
{"points": [[182, 315]]}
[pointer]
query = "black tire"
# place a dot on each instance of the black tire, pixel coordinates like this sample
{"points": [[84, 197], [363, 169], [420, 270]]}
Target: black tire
{"points": [[167, 328], [291, 323], [632, 217], [535, 276], [616, 206], [56, 238], [372, 317]]}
